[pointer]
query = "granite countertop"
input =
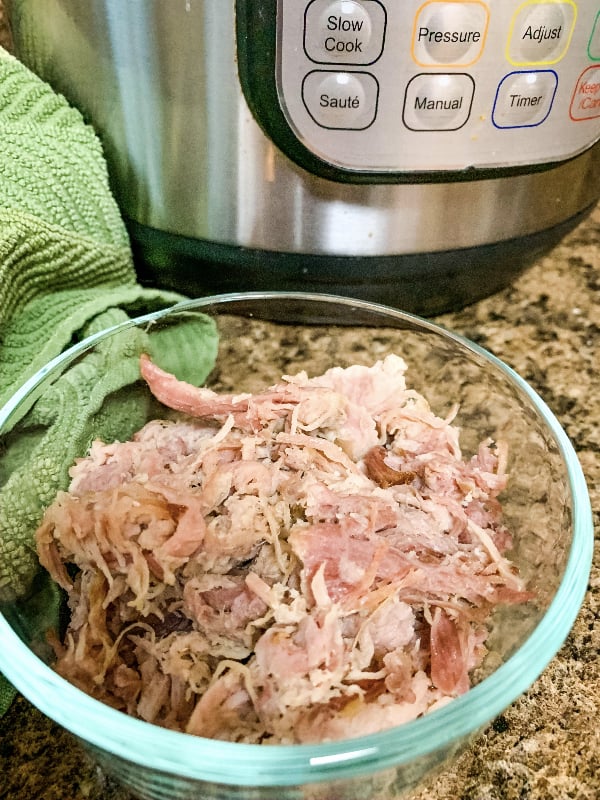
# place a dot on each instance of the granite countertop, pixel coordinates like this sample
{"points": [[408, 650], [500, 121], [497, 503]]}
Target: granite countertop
{"points": [[546, 746]]}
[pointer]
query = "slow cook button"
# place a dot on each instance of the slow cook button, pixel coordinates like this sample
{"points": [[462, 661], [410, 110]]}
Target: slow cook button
{"points": [[524, 99], [450, 33], [541, 32], [343, 100], [344, 31], [440, 102]]}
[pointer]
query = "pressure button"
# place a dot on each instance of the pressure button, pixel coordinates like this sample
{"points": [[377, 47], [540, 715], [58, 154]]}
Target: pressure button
{"points": [[450, 33], [344, 31]]}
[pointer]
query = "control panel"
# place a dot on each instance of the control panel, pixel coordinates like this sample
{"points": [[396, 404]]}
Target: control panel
{"points": [[381, 86]]}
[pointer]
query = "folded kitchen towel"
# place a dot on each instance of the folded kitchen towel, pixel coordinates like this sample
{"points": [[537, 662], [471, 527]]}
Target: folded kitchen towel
{"points": [[66, 271]]}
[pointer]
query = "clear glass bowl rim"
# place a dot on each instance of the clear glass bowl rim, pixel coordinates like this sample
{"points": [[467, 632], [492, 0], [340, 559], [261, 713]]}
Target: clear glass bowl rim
{"points": [[229, 763]]}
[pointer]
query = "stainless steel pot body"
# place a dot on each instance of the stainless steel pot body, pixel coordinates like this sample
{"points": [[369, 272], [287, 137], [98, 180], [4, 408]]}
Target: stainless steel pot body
{"points": [[159, 81]]}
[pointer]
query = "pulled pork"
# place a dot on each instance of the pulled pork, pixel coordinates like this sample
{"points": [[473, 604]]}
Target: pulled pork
{"points": [[313, 562]]}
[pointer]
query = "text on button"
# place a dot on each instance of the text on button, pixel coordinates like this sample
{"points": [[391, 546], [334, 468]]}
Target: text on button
{"points": [[337, 23], [343, 45], [448, 37]]}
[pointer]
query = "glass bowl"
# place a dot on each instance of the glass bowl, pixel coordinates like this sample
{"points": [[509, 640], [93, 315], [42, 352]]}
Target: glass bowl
{"points": [[262, 336]]}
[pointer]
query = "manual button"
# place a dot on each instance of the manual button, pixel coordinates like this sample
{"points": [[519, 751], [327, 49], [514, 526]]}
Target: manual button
{"points": [[344, 31], [341, 100], [440, 102]]}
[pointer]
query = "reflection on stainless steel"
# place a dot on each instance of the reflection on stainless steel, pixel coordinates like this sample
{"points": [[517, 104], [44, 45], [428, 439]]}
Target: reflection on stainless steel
{"points": [[158, 79]]}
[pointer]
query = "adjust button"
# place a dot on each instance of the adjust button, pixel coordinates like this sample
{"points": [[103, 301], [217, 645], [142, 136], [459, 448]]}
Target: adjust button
{"points": [[450, 33], [344, 31], [524, 99], [440, 102], [541, 32], [342, 100]]}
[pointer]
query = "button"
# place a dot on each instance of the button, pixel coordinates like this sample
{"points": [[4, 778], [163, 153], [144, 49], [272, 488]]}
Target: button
{"points": [[440, 102], [585, 103], [343, 100], [524, 99], [344, 31], [450, 33], [541, 32], [594, 43]]}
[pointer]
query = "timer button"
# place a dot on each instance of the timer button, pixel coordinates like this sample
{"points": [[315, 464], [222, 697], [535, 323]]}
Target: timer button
{"points": [[344, 31], [541, 32], [440, 102], [524, 99], [341, 100], [450, 33]]}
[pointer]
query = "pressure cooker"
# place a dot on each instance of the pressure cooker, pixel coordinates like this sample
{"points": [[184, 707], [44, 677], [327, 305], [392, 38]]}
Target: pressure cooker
{"points": [[419, 153]]}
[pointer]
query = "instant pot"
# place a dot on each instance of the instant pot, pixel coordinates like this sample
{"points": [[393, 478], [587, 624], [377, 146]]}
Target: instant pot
{"points": [[419, 153]]}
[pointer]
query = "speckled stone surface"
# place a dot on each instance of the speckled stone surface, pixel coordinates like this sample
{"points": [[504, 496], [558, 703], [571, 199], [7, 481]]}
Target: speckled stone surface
{"points": [[546, 746]]}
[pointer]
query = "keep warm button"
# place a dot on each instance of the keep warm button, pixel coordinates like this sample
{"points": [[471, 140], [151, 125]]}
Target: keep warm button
{"points": [[585, 103], [342, 100]]}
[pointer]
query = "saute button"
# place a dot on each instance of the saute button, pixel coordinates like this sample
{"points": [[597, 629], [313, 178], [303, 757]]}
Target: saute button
{"points": [[344, 31], [438, 102], [524, 99], [450, 33], [541, 32], [343, 100]]}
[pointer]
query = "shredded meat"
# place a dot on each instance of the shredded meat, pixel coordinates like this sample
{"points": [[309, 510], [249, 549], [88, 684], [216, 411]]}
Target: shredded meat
{"points": [[313, 562]]}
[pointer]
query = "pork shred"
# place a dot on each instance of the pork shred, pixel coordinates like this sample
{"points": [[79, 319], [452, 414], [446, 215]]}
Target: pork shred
{"points": [[312, 562]]}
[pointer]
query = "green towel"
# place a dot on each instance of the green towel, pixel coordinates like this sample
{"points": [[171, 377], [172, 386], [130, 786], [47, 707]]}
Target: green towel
{"points": [[66, 271]]}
